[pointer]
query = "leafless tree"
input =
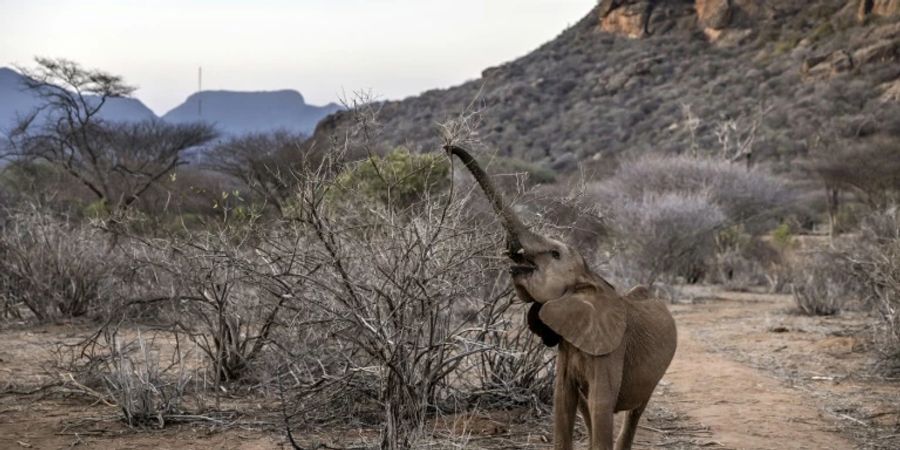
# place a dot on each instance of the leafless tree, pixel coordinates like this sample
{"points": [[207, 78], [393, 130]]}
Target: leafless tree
{"points": [[870, 168]]}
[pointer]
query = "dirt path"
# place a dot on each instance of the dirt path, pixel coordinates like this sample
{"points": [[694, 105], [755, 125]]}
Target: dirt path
{"points": [[744, 408]]}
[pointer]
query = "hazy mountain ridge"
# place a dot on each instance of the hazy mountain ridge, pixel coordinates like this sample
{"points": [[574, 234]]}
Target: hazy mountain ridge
{"points": [[232, 112], [594, 95], [16, 101], [245, 112]]}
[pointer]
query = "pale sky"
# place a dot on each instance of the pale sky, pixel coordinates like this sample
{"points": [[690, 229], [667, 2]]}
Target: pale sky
{"points": [[322, 48]]}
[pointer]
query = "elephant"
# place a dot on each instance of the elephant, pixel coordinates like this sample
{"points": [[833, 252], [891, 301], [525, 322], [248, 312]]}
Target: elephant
{"points": [[613, 349]]}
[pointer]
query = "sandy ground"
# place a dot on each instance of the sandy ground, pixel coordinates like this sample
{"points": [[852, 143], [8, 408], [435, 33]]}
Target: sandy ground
{"points": [[749, 374]]}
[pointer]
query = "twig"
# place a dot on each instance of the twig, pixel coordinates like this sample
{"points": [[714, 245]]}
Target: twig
{"points": [[655, 430], [100, 397], [10, 390], [845, 416]]}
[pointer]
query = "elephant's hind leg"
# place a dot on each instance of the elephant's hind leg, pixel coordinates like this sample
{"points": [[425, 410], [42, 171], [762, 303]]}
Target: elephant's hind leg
{"points": [[629, 428]]}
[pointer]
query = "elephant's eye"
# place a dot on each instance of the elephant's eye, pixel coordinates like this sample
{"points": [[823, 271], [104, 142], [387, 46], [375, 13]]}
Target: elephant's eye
{"points": [[554, 254]]}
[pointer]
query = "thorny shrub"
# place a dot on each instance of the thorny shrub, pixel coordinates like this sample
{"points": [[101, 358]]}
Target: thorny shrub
{"points": [[823, 285], [146, 393], [876, 266], [55, 268]]}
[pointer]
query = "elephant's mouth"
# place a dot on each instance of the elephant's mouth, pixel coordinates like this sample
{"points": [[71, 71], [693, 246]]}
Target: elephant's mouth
{"points": [[517, 270], [522, 264]]}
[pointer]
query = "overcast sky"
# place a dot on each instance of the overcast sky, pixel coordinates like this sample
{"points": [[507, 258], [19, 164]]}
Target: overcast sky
{"points": [[322, 48]]}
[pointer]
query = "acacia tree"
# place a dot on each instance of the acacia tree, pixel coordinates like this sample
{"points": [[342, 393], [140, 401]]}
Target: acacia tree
{"points": [[869, 167], [267, 163], [117, 161]]}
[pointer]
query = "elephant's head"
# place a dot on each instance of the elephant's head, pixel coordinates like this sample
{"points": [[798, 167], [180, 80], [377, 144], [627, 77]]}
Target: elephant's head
{"points": [[568, 298]]}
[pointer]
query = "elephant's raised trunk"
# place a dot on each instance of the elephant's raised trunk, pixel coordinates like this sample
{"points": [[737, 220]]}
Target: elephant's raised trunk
{"points": [[515, 229]]}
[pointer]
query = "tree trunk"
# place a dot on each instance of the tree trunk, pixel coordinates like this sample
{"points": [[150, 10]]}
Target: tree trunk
{"points": [[833, 199], [402, 416]]}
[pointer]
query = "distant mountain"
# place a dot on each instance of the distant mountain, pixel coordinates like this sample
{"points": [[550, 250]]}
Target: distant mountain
{"points": [[16, 101], [232, 113], [244, 112]]}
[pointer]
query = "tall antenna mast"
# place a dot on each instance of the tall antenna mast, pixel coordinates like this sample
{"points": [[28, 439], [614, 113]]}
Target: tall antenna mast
{"points": [[199, 90]]}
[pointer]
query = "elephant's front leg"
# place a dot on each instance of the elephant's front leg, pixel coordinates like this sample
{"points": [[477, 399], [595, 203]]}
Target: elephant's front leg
{"points": [[601, 411], [602, 395], [565, 402]]}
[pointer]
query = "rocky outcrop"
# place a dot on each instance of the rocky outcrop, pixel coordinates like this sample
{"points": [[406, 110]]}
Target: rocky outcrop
{"points": [[714, 14], [633, 18], [625, 17], [626, 20], [883, 8]]}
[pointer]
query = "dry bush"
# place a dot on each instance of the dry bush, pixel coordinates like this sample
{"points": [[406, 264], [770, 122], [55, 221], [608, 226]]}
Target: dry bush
{"points": [[865, 269], [221, 289], [55, 268], [749, 197], [368, 312], [742, 261], [407, 290], [146, 393], [668, 211], [667, 235], [145, 375], [516, 371], [394, 286], [875, 261], [822, 284]]}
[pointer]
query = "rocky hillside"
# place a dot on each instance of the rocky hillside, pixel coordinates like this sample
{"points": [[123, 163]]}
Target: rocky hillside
{"points": [[777, 78]]}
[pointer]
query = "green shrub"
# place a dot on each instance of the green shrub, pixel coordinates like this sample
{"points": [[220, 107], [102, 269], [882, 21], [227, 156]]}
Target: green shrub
{"points": [[783, 236], [398, 179]]}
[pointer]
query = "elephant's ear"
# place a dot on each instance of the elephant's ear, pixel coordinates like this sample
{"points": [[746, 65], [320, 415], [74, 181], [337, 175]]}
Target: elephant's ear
{"points": [[590, 319]]}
